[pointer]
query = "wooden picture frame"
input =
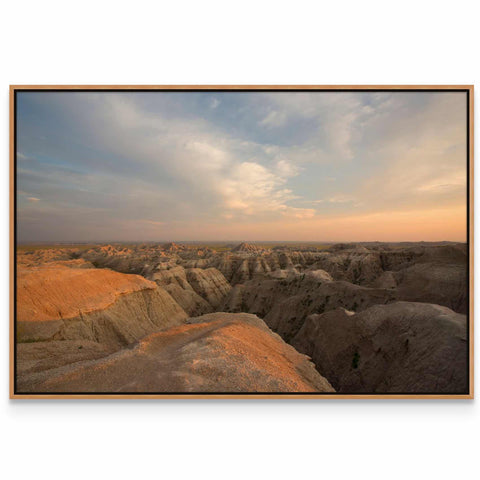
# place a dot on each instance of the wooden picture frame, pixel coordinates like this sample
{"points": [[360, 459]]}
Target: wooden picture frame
{"points": [[469, 91]]}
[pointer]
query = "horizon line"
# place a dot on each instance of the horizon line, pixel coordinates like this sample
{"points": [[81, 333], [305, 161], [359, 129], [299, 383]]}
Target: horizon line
{"points": [[78, 242]]}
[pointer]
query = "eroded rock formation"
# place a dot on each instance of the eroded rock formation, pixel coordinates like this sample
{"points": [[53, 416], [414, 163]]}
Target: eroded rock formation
{"points": [[85, 314], [213, 353], [56, 302], [403, 347]]}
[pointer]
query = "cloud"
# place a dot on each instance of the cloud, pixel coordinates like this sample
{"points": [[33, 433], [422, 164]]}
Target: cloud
{"points": [[420, 163], [437, 187], [274, 119], [33, 199], [168, 160], [252, 188], [337, 199], [214, 103], [331, 121], [152, 222], [167, 167], [286, 169], [301, 213]]}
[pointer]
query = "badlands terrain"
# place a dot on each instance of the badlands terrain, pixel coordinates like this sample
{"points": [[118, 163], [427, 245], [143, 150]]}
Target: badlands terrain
{"points": [[186, 318]]}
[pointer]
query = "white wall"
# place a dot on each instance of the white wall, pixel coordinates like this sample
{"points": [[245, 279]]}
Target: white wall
{"points": [[140, 42]]}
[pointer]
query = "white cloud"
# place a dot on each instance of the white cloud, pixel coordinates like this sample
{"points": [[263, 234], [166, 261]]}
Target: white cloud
{"points": [[33, 199], [214, 103], [333, 118], [286, 169], [214, 174], [251, 187], [274, 119]]}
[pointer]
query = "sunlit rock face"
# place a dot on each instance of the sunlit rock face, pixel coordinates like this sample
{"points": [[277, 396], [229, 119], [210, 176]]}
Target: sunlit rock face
{"points": [[58, 302]]}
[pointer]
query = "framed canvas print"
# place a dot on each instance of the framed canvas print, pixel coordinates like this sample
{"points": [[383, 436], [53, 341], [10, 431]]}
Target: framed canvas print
{"points": [[241, 242]]}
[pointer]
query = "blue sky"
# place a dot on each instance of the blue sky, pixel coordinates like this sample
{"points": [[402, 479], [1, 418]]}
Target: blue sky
{"points": [[241, 166]]}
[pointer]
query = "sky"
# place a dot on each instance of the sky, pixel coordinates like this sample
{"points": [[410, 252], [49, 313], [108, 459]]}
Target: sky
{"points": [[264, 166]]}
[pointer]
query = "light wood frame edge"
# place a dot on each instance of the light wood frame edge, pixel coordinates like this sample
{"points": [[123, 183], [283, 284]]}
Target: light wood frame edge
{"points": [[470, 88]]}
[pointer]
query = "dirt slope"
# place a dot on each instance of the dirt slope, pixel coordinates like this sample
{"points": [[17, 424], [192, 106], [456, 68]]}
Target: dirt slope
{"points": [[215, 353], [111, 308], [402, 347], [59, 292], [210, 284]]}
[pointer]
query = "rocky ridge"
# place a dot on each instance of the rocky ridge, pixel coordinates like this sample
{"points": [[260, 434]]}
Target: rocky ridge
{"points": [[57, 302], [224, 353]]}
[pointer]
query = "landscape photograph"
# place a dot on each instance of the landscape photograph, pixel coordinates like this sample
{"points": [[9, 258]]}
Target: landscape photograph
{"points": [[240, 242]]}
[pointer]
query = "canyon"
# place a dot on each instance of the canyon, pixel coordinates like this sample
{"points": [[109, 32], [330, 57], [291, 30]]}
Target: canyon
{"points": [[237, 318]]}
